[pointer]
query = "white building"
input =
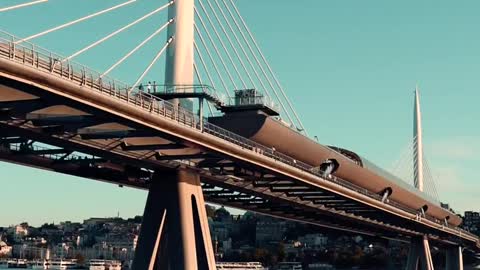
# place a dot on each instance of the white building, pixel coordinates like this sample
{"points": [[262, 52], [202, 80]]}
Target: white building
{"points": [[5, 250], [314, 241], [18, 232]]}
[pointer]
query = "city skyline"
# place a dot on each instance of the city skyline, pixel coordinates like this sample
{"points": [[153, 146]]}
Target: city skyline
{"points": [[345, 73]]}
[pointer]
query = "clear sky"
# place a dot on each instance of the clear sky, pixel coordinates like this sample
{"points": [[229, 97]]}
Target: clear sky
{"points": [[350, 68]]}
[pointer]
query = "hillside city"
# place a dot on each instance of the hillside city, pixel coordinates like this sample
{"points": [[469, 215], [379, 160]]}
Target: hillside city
{"points": [[236, 238]]}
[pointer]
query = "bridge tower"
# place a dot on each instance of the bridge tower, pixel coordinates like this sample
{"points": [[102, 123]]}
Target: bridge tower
{"points": [[180, 55], [175, 233], [417, 144], [420, 256]]}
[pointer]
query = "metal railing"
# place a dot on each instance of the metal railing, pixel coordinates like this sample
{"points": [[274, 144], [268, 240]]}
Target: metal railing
{"points": [[256, 100], [37, 150], [183, 89], [31, 55]]}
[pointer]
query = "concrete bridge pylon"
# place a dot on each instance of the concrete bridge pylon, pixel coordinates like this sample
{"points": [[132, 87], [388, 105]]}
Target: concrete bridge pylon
{"points": [[175, 233]]}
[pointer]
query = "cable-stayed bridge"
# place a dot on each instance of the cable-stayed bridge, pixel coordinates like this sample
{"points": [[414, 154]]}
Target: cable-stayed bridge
{"points": [[219, 128]]}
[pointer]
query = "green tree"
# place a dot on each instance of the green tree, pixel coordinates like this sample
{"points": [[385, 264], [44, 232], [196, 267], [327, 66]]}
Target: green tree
{"points": [[210, 210]]}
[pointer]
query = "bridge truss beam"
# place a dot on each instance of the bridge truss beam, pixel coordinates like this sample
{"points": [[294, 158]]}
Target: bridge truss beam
{"points": [[234, 173]]}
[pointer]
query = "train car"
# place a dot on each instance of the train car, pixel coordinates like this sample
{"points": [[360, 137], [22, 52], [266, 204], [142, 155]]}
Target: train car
{"points": [[266, 130]]}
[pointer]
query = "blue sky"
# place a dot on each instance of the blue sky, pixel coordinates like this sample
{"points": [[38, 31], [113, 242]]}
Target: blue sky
{"points": [[350, 68]]}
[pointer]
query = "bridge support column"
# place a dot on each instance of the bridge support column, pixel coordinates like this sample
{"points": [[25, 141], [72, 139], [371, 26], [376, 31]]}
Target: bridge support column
{"points": [[454, 258], [419, 256], [175, 233], [179, 69], [390, 263]]}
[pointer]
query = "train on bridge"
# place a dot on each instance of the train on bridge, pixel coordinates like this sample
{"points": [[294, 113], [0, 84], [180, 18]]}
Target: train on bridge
{"points": [[262, 127]]}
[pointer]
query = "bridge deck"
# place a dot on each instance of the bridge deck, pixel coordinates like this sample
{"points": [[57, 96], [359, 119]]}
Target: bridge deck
{"points": [[47, 101]]}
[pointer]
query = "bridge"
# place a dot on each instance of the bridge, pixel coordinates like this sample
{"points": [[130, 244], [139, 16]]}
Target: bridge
{"points": [[58, 115]]}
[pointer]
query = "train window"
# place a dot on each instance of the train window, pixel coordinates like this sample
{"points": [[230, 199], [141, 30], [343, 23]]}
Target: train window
{"points": [[386, 193], [329, 166], [424, 209]]}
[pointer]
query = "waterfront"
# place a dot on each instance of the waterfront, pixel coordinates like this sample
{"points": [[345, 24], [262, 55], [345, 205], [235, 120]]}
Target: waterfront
{"points": [[247, 237], [466, 268]]}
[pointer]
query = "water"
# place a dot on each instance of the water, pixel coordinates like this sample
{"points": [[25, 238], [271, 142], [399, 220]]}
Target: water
{"points": [[466, 268]]}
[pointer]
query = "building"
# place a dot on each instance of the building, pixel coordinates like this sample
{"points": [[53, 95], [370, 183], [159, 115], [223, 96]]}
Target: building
{"points": [[92, 222], [445, 205], [69, 226], [35, 241], [18, 231], [270, 230], [471, 221], [223, 225], [314, 241], [5, 250]]}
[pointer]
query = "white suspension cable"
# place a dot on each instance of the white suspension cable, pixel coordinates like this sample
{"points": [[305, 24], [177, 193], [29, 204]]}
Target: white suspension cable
{"points": [[201, 83], [22, 5], [270, 69], [197, 74], [433, 182], [429, 181], [114, 33], [396, 165], [221, 42], [169, 41], [230, 41], [427, 185], [249, 46], [258, 62], [404, 171], [214, 66], [244, 51], [74, 22], [137, 48], [432, 179], [212, 83], [432, 188], [215, 48], [213, 60], [403, 167]]}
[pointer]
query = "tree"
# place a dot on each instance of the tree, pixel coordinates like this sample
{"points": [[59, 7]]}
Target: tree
{"points": [[47, 226], [10, 239], [137, 219], [210, 210]]}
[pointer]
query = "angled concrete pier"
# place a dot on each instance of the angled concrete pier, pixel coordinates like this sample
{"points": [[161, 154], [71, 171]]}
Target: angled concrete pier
{"points": [[175, 233], [419, 256]]}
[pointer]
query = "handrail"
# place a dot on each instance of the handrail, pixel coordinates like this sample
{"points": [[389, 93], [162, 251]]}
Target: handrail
{"points": [[31, 55], [32, 148], [255, 100], [183, 89]]}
